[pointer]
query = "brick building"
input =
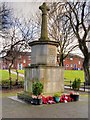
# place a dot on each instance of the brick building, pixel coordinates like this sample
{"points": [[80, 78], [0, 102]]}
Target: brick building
{"points": [[73, 62], [23, 60]]}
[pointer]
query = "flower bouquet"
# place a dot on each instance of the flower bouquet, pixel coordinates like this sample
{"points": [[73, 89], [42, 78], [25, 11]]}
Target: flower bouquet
{"points": [[36, 100], [74, 96]]}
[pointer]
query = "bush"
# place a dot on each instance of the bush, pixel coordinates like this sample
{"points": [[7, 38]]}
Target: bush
{"points": [[37, 88], [6, 84], [76, 84], [21, 83]]}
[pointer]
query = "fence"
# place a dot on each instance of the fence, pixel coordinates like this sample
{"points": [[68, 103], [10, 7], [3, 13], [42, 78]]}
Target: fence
{"points": [[83, 85]]}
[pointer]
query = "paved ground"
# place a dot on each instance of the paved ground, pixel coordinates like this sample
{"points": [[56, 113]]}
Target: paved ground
{"points": [[14, 109]]}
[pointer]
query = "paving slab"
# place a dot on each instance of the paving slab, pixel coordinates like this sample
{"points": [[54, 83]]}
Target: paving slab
{"points": [[13, 108]]}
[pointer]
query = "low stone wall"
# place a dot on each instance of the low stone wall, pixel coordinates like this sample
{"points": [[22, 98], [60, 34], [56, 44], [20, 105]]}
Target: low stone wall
{"points": [[51, 77]]}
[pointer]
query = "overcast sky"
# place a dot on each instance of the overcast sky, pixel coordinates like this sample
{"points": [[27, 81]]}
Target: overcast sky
{"points": [[34, 0], [26, 9]]}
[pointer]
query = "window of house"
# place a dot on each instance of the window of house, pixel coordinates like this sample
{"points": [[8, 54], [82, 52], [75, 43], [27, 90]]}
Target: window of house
{"points": [[71, 58], [75, 66], [29, 64], [29, 57], [67, 65], [20, 66], [79, 62], [71, 65], [24, 61]]}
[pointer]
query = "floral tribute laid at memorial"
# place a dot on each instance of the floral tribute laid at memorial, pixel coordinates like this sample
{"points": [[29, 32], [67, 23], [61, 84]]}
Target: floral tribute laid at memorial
{"points": [[64, 98], [37, 97]]}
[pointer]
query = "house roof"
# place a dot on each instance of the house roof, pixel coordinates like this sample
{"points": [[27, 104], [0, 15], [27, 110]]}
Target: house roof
{"points": [[70, 54], [25, 53]]}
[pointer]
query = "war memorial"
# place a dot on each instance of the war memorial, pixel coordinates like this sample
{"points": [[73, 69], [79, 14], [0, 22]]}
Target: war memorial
{"points": [[43, 61]]}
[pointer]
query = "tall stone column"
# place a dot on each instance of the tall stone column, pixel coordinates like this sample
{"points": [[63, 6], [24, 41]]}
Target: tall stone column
{"points": [[44, 31]]}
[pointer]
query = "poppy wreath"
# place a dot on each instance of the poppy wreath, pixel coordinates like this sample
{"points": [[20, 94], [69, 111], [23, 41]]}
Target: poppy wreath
{"points": [[48, 100], [65, 99]]}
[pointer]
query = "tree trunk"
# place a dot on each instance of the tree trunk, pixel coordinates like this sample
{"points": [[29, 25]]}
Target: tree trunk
{"points": [[61, 60], [84, 49], [86, 69], [10, 77], [17, 77]]}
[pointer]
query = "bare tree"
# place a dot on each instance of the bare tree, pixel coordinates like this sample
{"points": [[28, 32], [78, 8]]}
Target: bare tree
{"points": [[77, 14], [16, 41], [59, 30], [11, 48]]}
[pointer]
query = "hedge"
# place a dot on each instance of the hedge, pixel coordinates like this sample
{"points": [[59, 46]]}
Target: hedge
{"points": [[5, 84]]}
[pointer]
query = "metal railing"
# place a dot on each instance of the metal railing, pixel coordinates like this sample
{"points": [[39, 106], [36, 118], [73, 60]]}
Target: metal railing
{"points": [[83, 85]]}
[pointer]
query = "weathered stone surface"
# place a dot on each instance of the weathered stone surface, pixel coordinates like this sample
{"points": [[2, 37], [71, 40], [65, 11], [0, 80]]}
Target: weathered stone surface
{"points": [[44, 54], [51, 77], [44, 61], [44, 31]]}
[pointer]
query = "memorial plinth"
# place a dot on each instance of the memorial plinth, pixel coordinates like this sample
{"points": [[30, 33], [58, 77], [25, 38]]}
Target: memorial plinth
{"points": [[44, 61], [44, 53], [50, 76]]}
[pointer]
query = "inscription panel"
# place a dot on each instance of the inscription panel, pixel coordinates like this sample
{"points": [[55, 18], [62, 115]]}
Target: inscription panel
{"points": [[44, 54], [52, 51], [51, 59]]}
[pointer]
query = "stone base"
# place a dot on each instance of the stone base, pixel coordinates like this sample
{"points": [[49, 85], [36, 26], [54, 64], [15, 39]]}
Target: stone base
{"points": [[44, 52], [50, 76]]}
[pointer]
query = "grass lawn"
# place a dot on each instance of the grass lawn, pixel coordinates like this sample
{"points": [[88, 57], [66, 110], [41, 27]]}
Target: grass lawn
{"points": [[12, 92], [72, 74], [68, 75], [20, 71], [5, 75]]}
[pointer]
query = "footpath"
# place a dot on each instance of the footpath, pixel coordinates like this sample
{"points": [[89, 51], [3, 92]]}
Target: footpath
{"points": [[16, 109], [21, 75], [80, 89]]}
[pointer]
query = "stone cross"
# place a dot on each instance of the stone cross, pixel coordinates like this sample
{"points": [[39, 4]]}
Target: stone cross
{"points": [[44, 31]]}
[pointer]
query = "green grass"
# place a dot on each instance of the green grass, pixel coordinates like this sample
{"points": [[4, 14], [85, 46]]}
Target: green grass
{"points": [[72, 74], [20, 71], [68, 75], [12, 92], [5, 75]]}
